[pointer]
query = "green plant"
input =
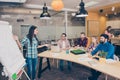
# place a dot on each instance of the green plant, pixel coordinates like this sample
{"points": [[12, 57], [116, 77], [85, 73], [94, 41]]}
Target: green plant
{"points": [[103, 54]]}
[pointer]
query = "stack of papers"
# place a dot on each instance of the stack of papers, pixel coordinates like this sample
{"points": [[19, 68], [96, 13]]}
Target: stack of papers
{"points": [[92, 63]]}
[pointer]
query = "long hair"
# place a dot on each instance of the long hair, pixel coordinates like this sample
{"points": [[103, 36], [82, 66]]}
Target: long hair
{"points": [[31, 34]]}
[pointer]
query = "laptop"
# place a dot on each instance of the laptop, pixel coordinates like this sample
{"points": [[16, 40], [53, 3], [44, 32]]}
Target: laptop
{"points": [[55, 48]]}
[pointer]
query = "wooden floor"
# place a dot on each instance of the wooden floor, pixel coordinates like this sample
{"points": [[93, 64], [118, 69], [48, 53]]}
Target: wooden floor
{"points": [[78, 72]]}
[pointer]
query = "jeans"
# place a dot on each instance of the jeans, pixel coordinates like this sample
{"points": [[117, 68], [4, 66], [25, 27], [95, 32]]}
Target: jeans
{"points": [[95, 74], [31, 67], [61, 63]]}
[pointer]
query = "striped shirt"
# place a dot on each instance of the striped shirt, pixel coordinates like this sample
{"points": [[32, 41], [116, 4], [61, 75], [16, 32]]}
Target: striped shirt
{"points": [[31, 50]]}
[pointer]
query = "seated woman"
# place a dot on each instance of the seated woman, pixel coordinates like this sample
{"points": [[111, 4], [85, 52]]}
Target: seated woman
{"points": [[64, 44], [93, 44]]}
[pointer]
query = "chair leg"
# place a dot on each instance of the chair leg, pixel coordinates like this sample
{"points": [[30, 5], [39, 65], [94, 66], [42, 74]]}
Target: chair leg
{"points": [[53, 61], [57, 63], [106, 77]]}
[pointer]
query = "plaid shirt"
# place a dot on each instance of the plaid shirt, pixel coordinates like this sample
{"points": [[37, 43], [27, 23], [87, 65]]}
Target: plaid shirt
{"points": [[31, 50], [83, 42]]}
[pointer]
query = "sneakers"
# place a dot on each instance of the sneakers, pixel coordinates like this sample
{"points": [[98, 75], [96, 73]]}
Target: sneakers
{"points": [[91, 78], [61, 68], [69, 68]]}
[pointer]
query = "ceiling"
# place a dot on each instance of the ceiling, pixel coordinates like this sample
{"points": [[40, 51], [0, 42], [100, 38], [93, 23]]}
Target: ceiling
{"points": [[72, 5]]}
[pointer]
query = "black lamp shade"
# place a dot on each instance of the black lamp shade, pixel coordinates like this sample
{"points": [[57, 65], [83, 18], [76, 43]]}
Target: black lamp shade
{"points": [[45, 14], [82, 12]]}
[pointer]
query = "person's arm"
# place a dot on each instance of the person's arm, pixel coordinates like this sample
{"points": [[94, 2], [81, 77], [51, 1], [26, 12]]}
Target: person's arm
{"points": [[96, 50], [39, 46], [89, 49], [24, 41], [110, 52], [68, 45], [78, 42], [18, 43], [85, 42]]}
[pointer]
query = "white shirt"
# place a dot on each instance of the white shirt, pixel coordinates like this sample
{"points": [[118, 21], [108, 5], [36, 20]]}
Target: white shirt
{"points": [[63, 45]]}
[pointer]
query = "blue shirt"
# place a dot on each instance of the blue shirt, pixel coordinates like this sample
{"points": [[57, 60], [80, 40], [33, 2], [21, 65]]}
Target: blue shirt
{"points": [[106, 47], [31, 50]]}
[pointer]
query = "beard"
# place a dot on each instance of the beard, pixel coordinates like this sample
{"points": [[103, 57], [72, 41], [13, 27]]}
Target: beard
{"points": [[101, 42]]}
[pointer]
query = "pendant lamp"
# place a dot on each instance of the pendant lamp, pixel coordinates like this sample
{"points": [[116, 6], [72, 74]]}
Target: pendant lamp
{"points": [[82, 12], [57, 5], [45, 14]]}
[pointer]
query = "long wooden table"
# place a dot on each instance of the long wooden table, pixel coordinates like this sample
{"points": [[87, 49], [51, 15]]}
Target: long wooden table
{"points": [[111, 69]]}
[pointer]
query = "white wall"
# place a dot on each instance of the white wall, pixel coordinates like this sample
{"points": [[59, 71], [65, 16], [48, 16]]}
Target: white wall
{"points": [[48, 29], [113, 23]]}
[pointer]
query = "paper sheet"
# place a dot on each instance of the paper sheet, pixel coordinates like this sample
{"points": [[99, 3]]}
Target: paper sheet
{"points": [[84, 59], [55, 54], [92, 63]]}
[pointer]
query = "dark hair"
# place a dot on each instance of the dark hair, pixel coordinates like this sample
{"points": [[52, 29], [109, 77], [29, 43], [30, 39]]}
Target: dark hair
{"points": [[31, 33], [105, 36], [108, 29], [64, 34], [82, 33]]}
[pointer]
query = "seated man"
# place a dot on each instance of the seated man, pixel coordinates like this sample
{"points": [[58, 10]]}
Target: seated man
{"points": [[82, 41], [64, 44], [103, 46]]}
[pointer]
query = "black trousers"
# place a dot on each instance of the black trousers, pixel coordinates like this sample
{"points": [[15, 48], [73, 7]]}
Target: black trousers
{"points": [[95, 74]]}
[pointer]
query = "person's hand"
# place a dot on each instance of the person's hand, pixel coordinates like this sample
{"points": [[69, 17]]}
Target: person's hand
{"points": [[89, 55], [77, 47], [46, 45], [64, 49], [43, 45], [90, 50]]}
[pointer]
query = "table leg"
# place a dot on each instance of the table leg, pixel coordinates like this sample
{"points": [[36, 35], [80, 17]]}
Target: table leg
{"points": [[106, 77], [40, 70], [40, 67]]}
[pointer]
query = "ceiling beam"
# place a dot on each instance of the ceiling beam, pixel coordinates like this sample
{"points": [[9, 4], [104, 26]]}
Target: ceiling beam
{"points": [[20, 11], [34, 6]]}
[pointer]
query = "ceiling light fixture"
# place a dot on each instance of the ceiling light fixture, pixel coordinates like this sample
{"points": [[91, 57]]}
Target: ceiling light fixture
{"points": [[57, 5], [82, 12], [45, 14]]}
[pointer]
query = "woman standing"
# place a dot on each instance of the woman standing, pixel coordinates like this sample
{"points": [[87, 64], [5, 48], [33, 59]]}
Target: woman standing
{"points": [[31, 43]]}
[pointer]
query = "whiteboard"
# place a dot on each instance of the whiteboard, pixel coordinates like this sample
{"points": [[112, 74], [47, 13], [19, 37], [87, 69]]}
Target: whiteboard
{"points": [[10, 55]]}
